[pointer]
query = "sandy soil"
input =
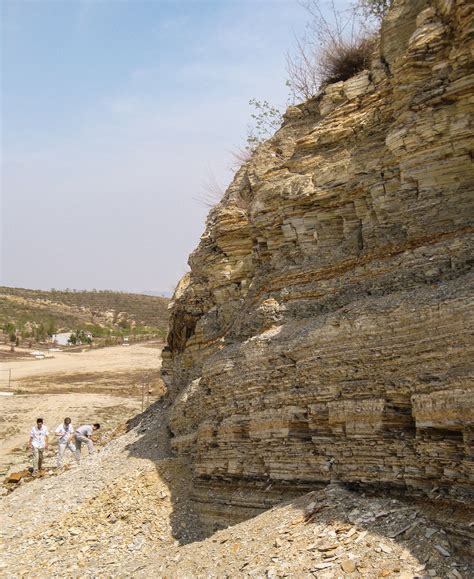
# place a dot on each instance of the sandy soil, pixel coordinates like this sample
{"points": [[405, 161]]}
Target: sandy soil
{"points": [[103, 385]]}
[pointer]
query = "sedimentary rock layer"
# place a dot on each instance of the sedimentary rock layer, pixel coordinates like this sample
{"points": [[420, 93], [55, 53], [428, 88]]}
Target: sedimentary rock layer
{"points": [[324, 332]]}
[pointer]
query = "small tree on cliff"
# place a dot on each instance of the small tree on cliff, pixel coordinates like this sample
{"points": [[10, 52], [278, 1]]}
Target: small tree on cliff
{"points": [[267, 119], [375, 8]]}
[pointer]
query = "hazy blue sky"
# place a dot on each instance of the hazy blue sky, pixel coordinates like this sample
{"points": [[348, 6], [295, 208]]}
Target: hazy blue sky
{"points": [[114, 114]]}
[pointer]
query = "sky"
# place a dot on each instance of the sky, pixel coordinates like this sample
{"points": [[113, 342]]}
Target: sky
{"points": [[114, 116]]}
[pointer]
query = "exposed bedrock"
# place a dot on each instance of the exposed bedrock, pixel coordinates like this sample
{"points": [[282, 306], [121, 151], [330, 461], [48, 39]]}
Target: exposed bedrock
{"points": [[324, 332]]}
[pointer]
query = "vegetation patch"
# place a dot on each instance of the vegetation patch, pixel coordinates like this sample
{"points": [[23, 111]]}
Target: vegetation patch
{"points": [[35, 315]]}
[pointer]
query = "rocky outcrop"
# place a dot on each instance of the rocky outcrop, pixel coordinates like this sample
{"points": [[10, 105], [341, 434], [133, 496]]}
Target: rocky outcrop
{"points": [[324, 332]]}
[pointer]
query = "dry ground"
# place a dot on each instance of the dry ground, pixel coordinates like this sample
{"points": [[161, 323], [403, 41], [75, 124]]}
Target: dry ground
{"points": [[126, 512], [103, 385]]}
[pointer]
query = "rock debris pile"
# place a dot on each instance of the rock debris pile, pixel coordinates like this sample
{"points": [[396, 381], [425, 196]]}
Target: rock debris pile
{"points": [[93, 518], [325, 534]]}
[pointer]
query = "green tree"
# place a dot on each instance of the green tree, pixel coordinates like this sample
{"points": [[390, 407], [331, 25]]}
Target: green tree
{"points": [[51, 328], [124, 324], [79, 337], [9, 327], [40, 333]]}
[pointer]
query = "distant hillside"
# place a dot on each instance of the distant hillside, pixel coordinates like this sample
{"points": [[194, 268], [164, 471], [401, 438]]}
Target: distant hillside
{"points": [[38, 313]]}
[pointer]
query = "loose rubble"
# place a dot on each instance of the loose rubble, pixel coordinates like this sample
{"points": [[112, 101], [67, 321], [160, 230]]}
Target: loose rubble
{"points": [[117, 502], [325, 534]]}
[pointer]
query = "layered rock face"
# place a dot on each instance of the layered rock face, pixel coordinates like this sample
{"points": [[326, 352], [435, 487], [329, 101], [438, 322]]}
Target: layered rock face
{"points": [[324, 332]]}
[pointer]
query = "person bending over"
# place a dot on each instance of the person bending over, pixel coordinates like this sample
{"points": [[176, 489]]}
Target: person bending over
{"points": [[83, 435]]}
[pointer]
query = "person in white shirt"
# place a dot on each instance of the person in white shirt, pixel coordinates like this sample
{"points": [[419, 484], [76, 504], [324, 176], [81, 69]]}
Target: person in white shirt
{"points": [[65, 433], [38, 443], [83, 435]]}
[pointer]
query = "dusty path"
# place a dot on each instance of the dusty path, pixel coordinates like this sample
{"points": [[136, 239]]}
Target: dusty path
{"points": [[83, 367], [103, 385]]}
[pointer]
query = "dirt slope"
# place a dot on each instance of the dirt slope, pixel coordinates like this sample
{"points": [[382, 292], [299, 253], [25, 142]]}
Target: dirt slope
{"points": [[103, 385]]}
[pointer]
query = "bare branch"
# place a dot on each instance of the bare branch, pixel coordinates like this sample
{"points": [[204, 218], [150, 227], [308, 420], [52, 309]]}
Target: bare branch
{"points": [[239, 157], [212, 192]]}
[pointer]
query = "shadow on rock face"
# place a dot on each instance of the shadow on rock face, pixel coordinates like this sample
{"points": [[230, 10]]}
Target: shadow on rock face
{"points": [[154, 445]]}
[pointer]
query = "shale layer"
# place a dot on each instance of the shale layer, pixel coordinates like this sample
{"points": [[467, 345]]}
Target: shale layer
{"points": [[324, 332]]}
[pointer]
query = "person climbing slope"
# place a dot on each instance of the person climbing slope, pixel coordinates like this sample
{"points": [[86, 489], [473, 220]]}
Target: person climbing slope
{"points": [[65, 434], [38, 443]]}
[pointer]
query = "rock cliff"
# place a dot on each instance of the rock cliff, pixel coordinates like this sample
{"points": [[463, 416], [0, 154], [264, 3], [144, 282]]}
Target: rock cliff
{"points": [[323, 333]]}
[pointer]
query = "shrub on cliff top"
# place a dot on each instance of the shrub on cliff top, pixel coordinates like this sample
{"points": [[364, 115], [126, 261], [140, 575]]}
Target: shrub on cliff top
{"points": [[338, 44], [344, 60]]}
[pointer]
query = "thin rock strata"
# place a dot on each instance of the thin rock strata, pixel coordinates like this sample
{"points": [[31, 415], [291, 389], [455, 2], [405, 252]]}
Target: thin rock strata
{"points": [[324, 332]]}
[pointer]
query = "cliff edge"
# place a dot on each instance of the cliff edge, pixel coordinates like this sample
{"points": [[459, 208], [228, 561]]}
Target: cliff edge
{"points": [[324, 332]]}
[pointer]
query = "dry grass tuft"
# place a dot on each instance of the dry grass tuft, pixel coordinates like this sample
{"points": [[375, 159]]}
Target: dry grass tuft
{"points": [[342, 60]]}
